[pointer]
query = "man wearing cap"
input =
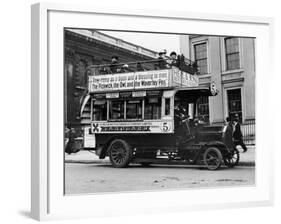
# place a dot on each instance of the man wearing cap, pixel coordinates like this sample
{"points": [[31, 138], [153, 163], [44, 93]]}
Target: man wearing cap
{"points": [[162, 64], [114, 64], [237, 134], [174, 59]]}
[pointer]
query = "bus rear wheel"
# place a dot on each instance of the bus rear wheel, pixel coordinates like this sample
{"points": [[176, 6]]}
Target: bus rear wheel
{"points": [[120, 153]]}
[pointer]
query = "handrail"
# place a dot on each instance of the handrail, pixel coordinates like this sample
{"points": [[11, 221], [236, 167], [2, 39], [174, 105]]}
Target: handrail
{"points": [[192, 67], [128, 63], [188, 61]]}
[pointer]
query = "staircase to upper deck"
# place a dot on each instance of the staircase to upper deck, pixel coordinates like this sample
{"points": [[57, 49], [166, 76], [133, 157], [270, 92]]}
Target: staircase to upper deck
{"points": [[86, 112]]}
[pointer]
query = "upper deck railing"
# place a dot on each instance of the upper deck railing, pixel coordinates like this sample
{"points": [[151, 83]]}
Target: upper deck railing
{"points": [[185, 65], [141, 75]]}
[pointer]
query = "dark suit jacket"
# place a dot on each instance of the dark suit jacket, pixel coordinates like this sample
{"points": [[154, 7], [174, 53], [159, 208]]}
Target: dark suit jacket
{"points": [[237, 134], [162, 64], [113, 67]]}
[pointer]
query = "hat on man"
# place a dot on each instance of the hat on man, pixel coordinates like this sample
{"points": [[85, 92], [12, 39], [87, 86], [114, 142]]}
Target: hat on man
{"points": [[173, 53], [162, 52]]}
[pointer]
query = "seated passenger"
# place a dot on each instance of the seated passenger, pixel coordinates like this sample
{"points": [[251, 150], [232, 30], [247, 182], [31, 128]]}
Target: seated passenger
{"points": [[103, 71], [174, 59], [162, 63], [114, 64], [139, 67], [124, 68]]}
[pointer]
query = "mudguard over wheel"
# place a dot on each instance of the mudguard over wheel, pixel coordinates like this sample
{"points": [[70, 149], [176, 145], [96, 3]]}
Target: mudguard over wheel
{"points": [[120, 153], [233, 159], [212, 158]]}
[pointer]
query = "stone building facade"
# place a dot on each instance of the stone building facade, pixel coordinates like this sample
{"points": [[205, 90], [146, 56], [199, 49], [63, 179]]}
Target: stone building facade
{"points": [[230, 63], [90, 47]]}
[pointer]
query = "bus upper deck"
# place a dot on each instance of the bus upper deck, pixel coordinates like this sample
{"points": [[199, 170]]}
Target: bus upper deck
{"points": [[131, 78]]}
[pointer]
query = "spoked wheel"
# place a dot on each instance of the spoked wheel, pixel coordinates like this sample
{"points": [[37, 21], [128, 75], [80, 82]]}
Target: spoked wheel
{"points": [[212, 158], [233, 159], [120, 153]]}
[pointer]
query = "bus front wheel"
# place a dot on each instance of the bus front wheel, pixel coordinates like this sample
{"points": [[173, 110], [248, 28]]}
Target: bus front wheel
{"points": [[212, 158], [120, 153]]}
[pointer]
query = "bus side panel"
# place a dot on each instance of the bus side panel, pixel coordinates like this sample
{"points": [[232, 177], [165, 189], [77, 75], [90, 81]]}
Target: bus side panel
{"points": [[149, 141]]}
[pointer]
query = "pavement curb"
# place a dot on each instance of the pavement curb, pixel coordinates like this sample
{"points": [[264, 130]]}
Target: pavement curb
{"points": [[87, 162]]}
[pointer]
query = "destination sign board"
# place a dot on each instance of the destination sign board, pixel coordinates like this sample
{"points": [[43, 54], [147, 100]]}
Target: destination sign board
{"points": [[180, 78], [142, 80], [129, 81]]}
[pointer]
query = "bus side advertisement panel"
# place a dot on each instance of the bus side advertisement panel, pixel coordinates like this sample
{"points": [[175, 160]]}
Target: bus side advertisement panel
{"points": [[133, 127]]}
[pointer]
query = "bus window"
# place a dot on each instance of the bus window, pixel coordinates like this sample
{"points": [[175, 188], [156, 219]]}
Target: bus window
{"points": [[99, 110], [167, 106], [134, 109], [116, 109], [152, 108]]}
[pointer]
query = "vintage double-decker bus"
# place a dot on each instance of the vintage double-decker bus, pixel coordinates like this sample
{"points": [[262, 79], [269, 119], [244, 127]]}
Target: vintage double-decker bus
{"points": [[150, 116]]}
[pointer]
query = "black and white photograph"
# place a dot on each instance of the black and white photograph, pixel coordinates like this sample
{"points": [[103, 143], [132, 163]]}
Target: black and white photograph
{"points": [[148, 111], [140, 112]]}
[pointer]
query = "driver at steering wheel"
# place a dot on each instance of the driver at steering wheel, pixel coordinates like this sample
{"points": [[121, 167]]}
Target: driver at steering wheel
{"points": [[180, 112]]}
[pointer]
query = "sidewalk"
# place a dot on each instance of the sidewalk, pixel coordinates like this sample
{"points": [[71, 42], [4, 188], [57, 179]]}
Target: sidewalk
{"points": [[248, 158], [84, 156]]}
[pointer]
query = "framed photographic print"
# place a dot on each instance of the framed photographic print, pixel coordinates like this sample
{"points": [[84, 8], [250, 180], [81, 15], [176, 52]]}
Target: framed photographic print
{"points": [[143, 108]]}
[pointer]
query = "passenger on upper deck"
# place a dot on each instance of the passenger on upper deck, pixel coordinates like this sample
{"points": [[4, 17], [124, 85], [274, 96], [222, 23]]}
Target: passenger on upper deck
{"points": [[124, 68], [174, 59], [139, 67], [162, 63], [114, 64]]}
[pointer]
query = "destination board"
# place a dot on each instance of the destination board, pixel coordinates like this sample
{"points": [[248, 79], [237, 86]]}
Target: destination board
{"points": [[142, 80]]}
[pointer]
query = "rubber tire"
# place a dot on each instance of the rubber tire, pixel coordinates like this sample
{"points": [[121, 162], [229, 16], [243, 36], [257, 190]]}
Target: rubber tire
{"points": [[126, 158], [231, 165], [219, 157]]}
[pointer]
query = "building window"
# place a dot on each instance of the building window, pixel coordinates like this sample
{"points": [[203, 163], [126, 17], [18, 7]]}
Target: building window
{"points": [[232, 53], [203, 108], [200, 56], [234, 103]]}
